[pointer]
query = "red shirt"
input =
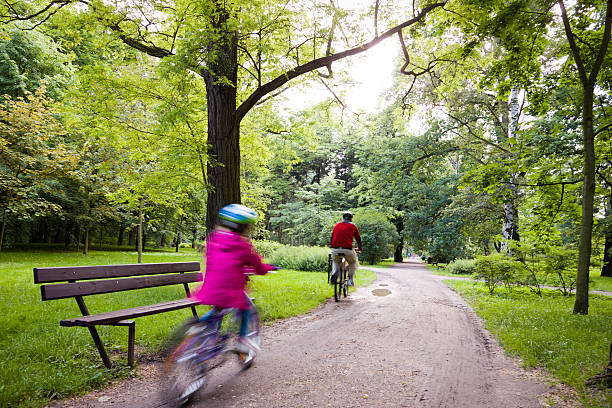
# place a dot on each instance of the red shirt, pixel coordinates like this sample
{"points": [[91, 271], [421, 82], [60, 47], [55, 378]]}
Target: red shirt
{"points": [[343, 234]]}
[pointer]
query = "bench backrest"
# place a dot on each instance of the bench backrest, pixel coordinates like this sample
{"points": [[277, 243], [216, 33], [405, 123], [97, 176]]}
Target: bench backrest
{"points": [[91, 280]]}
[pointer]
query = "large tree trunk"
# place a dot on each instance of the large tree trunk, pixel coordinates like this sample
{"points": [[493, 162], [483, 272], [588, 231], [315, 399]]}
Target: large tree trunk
{"points": [[581, 304], [510, 224], [223, 171], [221, 78]]}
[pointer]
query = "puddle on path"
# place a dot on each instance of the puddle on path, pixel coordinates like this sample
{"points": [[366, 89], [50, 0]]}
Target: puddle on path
{"points": [[381, 292], [383, 284]]}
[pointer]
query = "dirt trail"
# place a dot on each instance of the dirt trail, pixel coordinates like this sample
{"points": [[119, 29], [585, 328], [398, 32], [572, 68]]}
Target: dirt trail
{"points": [[419, 346]]}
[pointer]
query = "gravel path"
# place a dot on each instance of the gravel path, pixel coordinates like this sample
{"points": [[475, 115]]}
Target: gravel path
{"points": [[405, 341]]}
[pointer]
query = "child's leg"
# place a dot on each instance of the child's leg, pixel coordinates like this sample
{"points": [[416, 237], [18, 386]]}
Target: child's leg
{"points": [[208, 315], [244, 324]]}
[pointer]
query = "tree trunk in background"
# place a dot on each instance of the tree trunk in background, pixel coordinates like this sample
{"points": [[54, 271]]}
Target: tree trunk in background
{"points": [[121, 232], [510, 225], [2, 229], [398, 256], [194, 230], [581, 304], [606, 268], [140, 232], [101, 236], [86, 243], [68, 235]]}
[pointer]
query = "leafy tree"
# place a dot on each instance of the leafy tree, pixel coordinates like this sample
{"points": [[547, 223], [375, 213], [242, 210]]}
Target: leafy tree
{"points": [[244, 51], [32, 151], [378, 235]]}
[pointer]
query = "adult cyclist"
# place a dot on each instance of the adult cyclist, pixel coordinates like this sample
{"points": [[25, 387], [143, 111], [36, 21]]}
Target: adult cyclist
{"points": [[342, 243]]}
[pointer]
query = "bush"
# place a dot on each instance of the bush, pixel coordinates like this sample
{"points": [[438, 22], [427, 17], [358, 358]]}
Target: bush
{"points": [[497, 269], [462, 267], [378, 235], [265, 248], [302, 258]]}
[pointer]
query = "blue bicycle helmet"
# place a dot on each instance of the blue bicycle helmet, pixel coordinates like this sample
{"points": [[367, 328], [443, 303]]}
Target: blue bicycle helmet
{"points": [[236, 217]]}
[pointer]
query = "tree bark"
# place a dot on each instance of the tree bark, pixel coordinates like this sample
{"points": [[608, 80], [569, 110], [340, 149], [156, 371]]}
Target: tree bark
{"points": [[510, 224], [121, 232], [581, 304], [140, 231], [606, 269], [398, 256], [223, 171], [588, 81], [86, 241], [2, 229]]}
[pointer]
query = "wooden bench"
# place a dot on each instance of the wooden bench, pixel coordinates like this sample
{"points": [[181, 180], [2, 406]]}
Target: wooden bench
{"points": [[91, 280]]}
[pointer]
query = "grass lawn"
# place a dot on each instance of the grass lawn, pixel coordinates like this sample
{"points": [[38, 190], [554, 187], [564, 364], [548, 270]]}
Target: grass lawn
{"points": [[43, 361], [596, 281], [543, 332]]}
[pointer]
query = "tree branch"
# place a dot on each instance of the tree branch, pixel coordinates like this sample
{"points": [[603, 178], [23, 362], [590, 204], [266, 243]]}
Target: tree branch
{"points": [[325, 61]]}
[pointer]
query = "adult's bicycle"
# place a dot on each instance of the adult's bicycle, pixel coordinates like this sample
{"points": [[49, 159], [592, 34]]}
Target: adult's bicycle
{"points": [[204, 346], [340, 279]]}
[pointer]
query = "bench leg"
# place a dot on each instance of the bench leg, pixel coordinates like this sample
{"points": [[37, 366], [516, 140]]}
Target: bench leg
{"points": [[131, 337], [100, 346]]}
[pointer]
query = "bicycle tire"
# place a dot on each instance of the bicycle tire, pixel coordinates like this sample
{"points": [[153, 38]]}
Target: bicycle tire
{"points": [[340, 283], [183, 377]]}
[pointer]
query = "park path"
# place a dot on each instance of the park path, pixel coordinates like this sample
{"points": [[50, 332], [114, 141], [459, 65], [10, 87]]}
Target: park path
{"points": [[407, 340]]}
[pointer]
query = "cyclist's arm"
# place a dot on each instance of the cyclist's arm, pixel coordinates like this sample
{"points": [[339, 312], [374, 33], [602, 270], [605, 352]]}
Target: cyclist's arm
{"points": [[358, 239]]}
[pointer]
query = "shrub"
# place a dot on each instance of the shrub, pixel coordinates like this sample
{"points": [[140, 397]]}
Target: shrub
{"points": [[496, 269], [378, 235], [265, 248], [302, 258], [462, 267]]}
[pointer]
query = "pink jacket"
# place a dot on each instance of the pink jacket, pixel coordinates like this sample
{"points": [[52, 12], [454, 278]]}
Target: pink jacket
{"points": [[228, 257]]}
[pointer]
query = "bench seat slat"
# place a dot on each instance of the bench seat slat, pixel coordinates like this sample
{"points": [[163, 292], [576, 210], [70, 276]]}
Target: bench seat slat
{"points": [[59, 274], [84, 288], [118, 315]]}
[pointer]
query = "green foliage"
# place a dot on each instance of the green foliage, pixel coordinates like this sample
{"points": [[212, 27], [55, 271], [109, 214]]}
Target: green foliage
{"points": [[496, 269], [32, 153], [543, 332], [461, 267], [302, 258], [265, 248], [27, 58], [378, 235]]}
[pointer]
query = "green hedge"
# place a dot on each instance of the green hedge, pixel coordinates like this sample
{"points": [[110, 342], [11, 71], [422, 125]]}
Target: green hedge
{"points": [[462, 267], [301, 258], [265, 248]]}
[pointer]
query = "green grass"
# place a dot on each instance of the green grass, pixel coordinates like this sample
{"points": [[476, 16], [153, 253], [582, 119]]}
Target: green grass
{"points": [[597, 282], [543, 332], [385, 263], [43, 361]]}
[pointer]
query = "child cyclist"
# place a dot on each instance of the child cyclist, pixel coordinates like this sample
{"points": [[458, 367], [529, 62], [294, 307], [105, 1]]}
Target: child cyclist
{"points": [[229, 258]]}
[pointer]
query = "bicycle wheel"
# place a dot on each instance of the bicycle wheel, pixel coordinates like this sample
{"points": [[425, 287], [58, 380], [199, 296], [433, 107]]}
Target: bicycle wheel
{"points": [[183, 375], [339, 283]]}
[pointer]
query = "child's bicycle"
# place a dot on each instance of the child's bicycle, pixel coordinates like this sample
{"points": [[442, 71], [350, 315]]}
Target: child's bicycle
{"points": [[204, 346]]}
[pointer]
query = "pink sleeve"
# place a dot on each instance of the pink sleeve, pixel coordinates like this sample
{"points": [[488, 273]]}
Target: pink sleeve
{"points": [[250, 258]]}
